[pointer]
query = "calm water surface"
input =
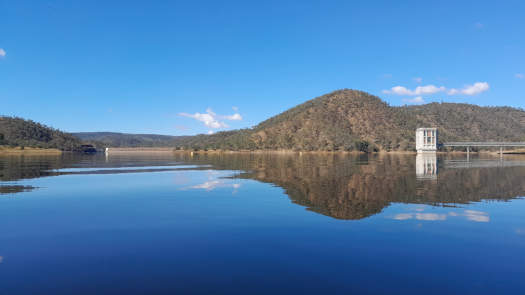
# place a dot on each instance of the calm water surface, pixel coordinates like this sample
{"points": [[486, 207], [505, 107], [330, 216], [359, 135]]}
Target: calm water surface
{"points": [[262, 224]]}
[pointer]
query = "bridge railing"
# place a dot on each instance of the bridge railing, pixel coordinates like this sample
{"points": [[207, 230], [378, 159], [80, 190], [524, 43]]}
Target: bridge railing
{"points": [[483, 144]]}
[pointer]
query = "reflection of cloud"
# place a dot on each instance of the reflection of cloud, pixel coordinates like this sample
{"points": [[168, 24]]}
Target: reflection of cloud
{"points": [[471, 215], [403, 216], [477, 216], [1, 259], [208, 185], [420, 216], [213, 184], [430, 216]]}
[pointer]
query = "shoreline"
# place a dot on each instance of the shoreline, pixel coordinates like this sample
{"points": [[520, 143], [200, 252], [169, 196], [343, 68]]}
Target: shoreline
{"points": [[28, 151]]}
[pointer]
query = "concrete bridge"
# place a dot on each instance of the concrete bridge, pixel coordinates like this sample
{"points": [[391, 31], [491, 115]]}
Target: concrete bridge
{"points": [[469, 144], [427, 141]]}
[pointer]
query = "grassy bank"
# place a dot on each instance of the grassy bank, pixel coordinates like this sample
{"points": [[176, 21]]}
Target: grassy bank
{"points": [[6, 150]]}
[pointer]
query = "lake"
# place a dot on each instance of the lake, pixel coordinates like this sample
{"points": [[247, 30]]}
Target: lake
{"points": [[262, 224]]}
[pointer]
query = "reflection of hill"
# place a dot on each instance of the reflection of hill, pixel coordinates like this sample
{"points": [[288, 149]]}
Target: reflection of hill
{"points": [[11, 189], [354, 187]]}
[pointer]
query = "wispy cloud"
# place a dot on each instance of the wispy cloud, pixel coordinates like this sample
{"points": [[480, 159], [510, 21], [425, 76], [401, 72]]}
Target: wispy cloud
{"points": [[211, 119], [420, 90], [519, 76], [417, 79], [479, 25], [415, 100], [2, 52], [470, 90], [234, 117], [473, 89]]}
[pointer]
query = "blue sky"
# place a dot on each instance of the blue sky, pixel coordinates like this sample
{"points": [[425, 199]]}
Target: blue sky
{"points": [[187, 67]]}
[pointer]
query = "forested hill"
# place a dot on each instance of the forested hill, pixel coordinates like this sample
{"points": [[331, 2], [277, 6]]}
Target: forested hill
{"points": [[354, 120], [19, 132], [114, 139], [344, 120]]}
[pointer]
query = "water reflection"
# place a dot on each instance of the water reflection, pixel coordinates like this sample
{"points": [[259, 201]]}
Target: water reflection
{"points": [[426, 166], [469, 215], [337, 185], [11, 189], [355, 187]]}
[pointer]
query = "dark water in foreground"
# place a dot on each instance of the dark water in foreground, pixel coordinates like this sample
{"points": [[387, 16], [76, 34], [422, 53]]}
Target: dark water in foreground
{"points": [[261, 224]]}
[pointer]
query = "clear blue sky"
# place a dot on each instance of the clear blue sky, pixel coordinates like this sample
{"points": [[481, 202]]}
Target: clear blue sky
{"points": [[150, 66]]}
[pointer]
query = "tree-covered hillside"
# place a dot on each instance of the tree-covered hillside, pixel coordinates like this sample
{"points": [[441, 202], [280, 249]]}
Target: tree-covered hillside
{"points": [[344, 120], [19, 132], [114, 139], [352, 120]]}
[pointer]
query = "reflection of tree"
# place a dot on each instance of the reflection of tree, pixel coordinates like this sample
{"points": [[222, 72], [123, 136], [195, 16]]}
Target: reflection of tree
{"points": [[21, 167], [337, 185], [354, 187], [11, 189]]}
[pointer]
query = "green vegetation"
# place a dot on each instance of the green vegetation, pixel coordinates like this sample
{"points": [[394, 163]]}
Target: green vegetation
{"points": [[350, 120], [344, 120], [20, 133], [114, 139]]}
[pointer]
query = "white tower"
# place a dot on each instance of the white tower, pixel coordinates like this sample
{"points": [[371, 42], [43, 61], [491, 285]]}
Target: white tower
{"points": [[426, 140]]}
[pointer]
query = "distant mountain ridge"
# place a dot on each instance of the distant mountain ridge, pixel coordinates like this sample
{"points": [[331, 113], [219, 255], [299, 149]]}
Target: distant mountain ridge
{"points": [[115, 139], [343, 120], [352, 120]]}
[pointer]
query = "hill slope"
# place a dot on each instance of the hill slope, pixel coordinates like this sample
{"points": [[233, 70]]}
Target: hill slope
{"points": [[341, 120], [19, 132], [355, 120], [114, 139]]}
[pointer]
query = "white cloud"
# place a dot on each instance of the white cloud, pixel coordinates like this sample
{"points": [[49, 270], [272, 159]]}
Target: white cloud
{"points": [[235, 109], [519, 76], [420, 90], [418, 79], [415, 100], [473, 89], [211, 119], [2, 52], [234, 117]]}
